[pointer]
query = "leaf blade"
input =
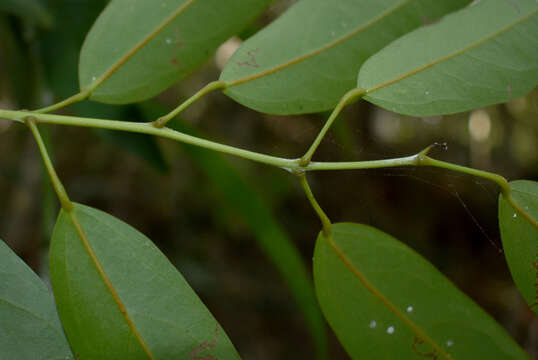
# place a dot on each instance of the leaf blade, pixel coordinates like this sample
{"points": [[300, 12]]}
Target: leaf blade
{"points": [[239, 196], [520, 238], [310, 72], [392, 306], [30, 327], [153, 305], [136, 49], [474, 57]]}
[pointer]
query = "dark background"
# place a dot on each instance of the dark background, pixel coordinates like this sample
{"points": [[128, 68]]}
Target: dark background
{"points": [[155, 186]]}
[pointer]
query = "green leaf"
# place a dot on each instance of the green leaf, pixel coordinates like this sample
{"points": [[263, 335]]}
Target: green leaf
{"points": [[20, 68], [29, 325], [31, 10], [120, 298], [138, 48], [519, 233], [59, 51], [240, 197], [60, 46], [384, 301], [308, 59], [481, 55]]}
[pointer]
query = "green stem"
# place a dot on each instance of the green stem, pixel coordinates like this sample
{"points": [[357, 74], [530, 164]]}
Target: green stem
{"points": [[56, 183], [325, 222], [71, 100], [292, 165], [346, 99], [161, 122], [498, 179], [148, 128]]}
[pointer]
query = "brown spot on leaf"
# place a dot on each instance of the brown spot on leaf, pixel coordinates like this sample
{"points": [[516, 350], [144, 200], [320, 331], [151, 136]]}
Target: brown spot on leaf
{"points": [[178, 42], [418, 348], [195, 354], [251, 59], [427, 21]]}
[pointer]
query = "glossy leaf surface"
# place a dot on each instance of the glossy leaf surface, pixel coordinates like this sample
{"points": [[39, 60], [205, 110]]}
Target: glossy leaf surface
{"points": [[384, 301], [307, 59], [138, 48], [520, 238], [237, 195], [29, 325], [120, 298], [481, 55]]}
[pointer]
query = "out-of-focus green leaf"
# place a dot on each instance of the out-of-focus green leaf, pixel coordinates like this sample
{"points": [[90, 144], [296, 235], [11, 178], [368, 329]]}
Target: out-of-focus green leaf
{"points": [[19, 67], [120, 298], [384, 301], [29, 324], [242, 198], [60, 45], [141, 145], [481, 55], [32, 10], [519, 234], [138, 48], [308, 59]]}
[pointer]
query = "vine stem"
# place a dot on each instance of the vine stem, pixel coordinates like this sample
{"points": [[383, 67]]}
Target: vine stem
{"points": [[346, 99], [325, 222], [56, 183], [292, 165], [161, 122], [71, 100]]}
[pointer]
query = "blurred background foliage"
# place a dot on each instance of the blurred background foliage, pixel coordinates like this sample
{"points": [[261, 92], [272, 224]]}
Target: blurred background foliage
{"points": [[185, 199]]}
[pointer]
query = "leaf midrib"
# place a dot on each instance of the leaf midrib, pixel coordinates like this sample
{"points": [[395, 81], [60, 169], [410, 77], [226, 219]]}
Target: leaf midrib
{"points": [[138, 46], [107, 282], [450, 56], [318, 50], [375, 292]]}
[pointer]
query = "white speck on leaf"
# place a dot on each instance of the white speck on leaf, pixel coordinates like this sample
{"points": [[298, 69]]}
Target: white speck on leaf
{"points": [[426, 92], [373, 324], [390, 330], [449, 343], [515, 215], [94, 78], [409, 309]]}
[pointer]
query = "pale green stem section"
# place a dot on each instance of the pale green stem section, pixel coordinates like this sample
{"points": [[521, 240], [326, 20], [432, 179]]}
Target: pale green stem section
{"points": [[346, 99], [498, 179], [71, 100], [325, 222], [161, 122], [56, 183], [148, 128], [291, 165]]}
